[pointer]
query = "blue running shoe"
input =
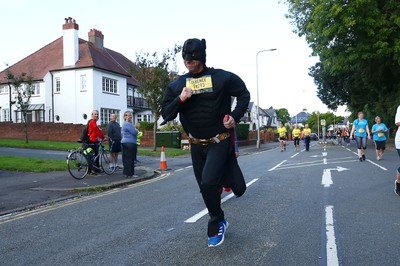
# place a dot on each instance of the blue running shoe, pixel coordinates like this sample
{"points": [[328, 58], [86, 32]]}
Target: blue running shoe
{"points": [[218, 239]]}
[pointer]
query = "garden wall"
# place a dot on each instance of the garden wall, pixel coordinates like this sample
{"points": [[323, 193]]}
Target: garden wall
{"points": [[72, 132]]}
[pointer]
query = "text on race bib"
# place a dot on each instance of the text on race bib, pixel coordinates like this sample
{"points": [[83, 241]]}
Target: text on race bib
{"points": [[200, 85], [361, 130], [381, 135]]}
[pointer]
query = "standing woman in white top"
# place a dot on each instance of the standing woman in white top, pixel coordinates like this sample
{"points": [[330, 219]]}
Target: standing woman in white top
{"points": [[397, 143]]}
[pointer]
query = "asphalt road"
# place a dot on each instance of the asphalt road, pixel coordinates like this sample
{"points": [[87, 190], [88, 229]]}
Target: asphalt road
{"points": [[322, 207]]}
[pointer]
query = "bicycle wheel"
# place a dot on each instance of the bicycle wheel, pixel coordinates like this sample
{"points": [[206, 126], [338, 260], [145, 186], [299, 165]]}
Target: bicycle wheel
{"points": [[105, 162], [78, 165]]}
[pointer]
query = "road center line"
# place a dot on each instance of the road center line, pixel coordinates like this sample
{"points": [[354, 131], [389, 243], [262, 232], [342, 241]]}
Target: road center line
{"points": [[331, 248], [326, 178], [198, 215]]}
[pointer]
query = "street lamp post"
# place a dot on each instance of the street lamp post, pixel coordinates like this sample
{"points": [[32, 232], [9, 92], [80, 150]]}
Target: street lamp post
{"points": [[258, 98], [318, 123]]}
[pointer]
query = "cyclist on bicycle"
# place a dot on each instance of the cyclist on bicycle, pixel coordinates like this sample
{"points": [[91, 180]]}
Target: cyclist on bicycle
{"points": [[95, 135]]}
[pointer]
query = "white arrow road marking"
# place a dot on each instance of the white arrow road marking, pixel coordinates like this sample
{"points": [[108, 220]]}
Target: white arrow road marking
{"points": [[324, 154], [331, 248], [197, 216], [327, 177]]}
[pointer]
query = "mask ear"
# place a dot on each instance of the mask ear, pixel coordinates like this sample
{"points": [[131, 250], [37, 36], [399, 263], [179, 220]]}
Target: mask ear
{"points": [[203, 42]]}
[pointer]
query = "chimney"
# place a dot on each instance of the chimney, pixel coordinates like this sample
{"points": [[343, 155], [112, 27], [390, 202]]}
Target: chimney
{"points": [[70, 42], [96, 37]]}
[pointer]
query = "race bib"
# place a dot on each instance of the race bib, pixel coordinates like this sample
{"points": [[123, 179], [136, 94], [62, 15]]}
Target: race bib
{"points": [[200, 85], [361, 130], [380, 134]]}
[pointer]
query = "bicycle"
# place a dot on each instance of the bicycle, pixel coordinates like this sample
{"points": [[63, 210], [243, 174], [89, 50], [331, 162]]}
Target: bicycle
{"points": [[79, 160]]}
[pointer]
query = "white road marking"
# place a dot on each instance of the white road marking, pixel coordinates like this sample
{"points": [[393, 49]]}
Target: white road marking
{"points": [[325, 161], [294, 155], [198, 215], [327, 177], [316, 163], [324, 154], [276, 166], [331, 248], [383, 168]]}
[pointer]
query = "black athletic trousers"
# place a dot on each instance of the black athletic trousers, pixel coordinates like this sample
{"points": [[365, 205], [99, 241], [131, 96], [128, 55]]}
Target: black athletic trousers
{"points": [[209, 166]]}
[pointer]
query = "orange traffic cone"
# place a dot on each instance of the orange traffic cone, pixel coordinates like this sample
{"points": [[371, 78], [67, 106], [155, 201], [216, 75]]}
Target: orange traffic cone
{"points": [[163, 161]]}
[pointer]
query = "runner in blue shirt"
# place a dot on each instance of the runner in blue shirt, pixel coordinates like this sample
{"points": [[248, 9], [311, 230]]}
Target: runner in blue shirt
{"points": [[379, 129], [360, 132]]}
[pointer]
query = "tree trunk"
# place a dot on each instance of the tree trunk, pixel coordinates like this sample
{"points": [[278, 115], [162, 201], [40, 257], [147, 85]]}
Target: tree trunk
{"points": [[25, 127]]}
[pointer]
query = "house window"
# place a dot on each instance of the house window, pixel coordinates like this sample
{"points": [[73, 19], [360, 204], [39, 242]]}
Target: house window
{"points": [[105, 115], [83, 82], [110, 85], [3, 89], [143, 118], [6, 115], [19, 117], [58, 85], [35, 89], [39, 116]]}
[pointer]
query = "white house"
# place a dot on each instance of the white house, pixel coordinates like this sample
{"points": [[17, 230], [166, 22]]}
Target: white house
{"points": [[71, 78]]}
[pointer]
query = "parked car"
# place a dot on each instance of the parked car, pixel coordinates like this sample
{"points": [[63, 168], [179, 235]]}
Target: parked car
{"points": [[313, 136]]}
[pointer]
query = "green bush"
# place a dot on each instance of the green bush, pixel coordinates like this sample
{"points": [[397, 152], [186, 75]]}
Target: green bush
{"points": [[242, 131], [172, 126], [146, 125]]}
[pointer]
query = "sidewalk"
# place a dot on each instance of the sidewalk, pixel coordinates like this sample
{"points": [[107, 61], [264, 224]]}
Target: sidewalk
{"points": [[22, 191]]}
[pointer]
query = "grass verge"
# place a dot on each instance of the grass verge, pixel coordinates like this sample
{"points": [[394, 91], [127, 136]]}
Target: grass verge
{"points": [[65, 146], [39, 165]]}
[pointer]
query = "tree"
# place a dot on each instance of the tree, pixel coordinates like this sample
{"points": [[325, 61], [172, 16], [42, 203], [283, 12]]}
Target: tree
{"points": [[153, 75], [283, 115], [358, 44], [330, 118], [24, 89]]}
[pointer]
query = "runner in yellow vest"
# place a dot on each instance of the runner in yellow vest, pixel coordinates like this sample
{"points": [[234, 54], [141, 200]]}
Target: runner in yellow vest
{"points": [[282, 137], [296, 137]]}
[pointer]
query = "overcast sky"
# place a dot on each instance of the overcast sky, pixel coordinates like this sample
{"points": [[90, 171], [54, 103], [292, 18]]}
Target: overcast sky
{"points": [[234, 31]]}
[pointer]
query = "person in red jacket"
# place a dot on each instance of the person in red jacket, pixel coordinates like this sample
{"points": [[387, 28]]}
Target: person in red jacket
{"points": [[95, 135]]}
